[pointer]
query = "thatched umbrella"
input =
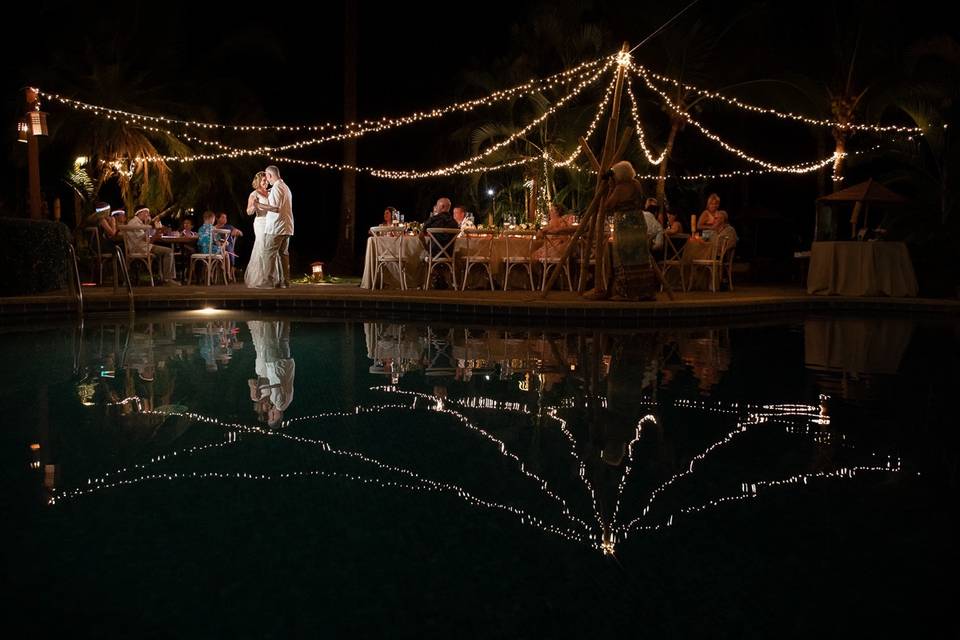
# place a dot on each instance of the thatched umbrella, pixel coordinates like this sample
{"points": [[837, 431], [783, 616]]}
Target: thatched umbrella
{"points": [[863, 195]]}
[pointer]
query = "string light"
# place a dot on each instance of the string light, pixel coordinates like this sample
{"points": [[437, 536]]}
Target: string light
{"points": [[601, 109], [874, 128], [581, 73], [354, 128], [797, 419], [641, 134], [467, 166], [469, 163], [584, 74], [733, 173], [806, 167]]}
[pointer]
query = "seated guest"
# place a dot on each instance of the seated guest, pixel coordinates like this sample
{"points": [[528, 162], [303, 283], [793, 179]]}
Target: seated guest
{"points": [[390, 216], [461, 217], [708, 219], [143, 243], [654, 228], [186, 228], [443, 206], [441, 219], [723, 230], [109, 225], [653, 207], [557, 220], [673, 224], [234, 234], [205, 242]]}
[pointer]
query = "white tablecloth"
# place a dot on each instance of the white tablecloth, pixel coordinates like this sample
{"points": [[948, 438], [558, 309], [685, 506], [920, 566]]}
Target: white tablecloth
{"points": [[414, 257], [861, 269]]}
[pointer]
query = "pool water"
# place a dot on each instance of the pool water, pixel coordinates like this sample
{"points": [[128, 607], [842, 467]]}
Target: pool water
{"points": [[226, 476]]}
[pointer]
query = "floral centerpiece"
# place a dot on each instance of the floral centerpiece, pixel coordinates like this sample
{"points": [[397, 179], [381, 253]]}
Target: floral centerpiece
{"points": [[412, 227]]}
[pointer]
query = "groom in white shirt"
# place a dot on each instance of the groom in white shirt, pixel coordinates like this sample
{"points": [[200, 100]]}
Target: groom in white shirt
{"points": [[278, 228]]}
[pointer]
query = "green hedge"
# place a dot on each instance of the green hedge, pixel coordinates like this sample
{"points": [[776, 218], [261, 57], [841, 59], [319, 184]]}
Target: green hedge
{"points": [[33, 256]]}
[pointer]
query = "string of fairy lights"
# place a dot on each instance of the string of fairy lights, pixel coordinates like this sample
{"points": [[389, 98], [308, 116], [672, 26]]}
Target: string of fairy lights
{"points": [[422, 483], [463, 167], [806, 167], [587, 74], [502, 447], [527, 88], [641, 133], [591, 128], [610, 532], [850, 126], [581, 76]]}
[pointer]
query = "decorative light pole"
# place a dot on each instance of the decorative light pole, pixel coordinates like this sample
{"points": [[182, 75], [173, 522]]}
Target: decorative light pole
{"points": [[493, 207], [33, 124]]}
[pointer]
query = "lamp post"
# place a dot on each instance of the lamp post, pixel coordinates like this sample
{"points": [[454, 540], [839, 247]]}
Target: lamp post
{"points": [[33, 124], [493, 207]]}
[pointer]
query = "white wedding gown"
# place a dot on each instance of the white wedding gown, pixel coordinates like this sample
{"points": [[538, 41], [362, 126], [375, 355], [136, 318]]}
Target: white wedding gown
{"points": [[254, 276]]}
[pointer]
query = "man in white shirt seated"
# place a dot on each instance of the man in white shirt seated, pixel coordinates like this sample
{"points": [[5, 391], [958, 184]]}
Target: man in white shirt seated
{"points": [[142, 242], [654, 228], [460, 215]]}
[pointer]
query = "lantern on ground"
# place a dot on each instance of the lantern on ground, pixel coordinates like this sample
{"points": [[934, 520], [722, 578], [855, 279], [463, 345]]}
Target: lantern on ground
{"points": [[316, 271]]}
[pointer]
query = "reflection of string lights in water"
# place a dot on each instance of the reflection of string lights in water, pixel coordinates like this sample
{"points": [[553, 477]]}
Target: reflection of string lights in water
{"points": [[525, 517], [544, 486], [609, 533]]}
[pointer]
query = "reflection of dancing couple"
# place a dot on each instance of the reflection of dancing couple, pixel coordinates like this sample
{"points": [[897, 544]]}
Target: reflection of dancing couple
{"points": [[272, 203], [272, 389]]}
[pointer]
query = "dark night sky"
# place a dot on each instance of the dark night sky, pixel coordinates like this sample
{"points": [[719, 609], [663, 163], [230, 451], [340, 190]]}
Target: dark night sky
{"points": [[220, 62]]}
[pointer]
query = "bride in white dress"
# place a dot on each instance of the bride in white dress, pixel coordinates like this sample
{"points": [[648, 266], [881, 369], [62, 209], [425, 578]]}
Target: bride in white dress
{"points": [[254, 276]]}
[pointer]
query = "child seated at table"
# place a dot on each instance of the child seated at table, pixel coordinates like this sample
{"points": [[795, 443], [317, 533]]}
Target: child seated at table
{"points": [[673, 224], [205, 243], [186, 228]]}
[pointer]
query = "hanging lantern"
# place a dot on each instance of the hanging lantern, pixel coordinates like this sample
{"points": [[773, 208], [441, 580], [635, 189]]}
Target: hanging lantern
{"points": [[23, 130], [38, 123]]}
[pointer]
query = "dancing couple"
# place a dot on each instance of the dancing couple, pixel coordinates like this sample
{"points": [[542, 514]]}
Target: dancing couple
{"points": [[272, 203]]}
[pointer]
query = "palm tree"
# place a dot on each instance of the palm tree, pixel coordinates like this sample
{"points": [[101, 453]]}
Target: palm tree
{"points": [[535, 182], [116, 148], [690, 58], [928, 97]]}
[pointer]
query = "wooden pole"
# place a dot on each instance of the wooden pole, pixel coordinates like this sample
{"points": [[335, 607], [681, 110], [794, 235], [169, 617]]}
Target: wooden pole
{"points": [[593, 220], [343, 260], [606, 161], [585, 222], [33, 158]]}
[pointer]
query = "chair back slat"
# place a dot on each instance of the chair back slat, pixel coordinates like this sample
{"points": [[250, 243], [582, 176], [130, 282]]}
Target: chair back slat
{"points": [[444, 249]]}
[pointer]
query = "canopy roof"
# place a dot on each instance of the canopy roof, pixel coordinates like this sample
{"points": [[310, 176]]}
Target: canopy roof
{"points": [[869, 191]]}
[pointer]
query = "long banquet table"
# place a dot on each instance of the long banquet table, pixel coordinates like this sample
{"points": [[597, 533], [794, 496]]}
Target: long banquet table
{"points": [[518, 243]]}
